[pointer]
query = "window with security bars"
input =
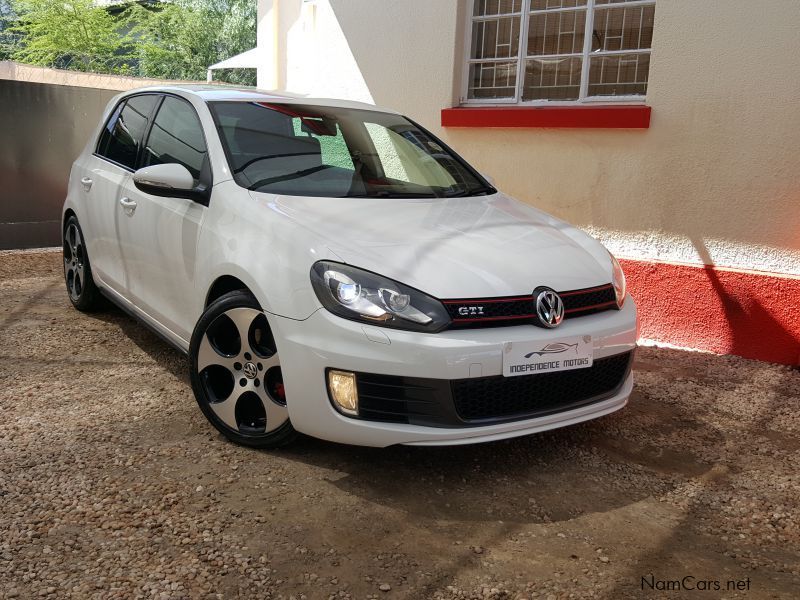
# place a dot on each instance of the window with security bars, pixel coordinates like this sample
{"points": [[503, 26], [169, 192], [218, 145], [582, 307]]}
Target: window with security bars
{"points": [[538, 51]]}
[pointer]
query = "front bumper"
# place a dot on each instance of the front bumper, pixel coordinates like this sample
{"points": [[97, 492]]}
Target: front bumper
{"points": [[325, 341]]}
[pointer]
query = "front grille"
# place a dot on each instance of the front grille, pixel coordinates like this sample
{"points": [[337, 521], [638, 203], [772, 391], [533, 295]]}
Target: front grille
{"points": [[470, 313], [489, 398], [483, 400], [578, 303]]}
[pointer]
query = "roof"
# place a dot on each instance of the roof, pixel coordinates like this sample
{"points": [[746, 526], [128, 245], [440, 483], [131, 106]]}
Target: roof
{"points": [[219, 93]]}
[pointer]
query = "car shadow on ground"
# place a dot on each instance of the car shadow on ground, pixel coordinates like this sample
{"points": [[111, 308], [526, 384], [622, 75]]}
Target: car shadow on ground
{"points": [[172, 360], [550, 477], [666, 485]]}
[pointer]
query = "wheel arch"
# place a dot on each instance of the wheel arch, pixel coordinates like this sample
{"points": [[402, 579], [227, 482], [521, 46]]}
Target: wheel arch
{"points": [[276, 286], [67, 214], [222, 285]]}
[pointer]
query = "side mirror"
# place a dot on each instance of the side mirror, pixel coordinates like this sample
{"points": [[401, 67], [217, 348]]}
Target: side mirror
{"points": [[171, 180]]}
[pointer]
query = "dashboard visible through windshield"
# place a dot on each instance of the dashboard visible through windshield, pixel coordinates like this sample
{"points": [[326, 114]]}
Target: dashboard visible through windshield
{"points": [[305, 150]]}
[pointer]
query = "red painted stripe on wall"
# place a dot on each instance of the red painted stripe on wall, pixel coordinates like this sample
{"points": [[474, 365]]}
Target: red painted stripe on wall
{"points": [[598, 116], [754, 315]]}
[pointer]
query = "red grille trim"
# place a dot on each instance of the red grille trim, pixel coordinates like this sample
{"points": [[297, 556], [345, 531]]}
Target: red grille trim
{"points": [[511, 310]]}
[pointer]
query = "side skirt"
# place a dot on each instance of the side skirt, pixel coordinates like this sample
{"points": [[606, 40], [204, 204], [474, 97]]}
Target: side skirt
{"points": [[111, 297]]}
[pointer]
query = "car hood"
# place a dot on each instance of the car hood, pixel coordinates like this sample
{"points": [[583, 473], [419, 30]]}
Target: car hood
{"points": [[467, 247]]}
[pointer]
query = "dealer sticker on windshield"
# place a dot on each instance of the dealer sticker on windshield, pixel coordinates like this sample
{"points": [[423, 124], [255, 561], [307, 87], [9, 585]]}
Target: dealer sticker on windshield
{"points": [[530, 358]]}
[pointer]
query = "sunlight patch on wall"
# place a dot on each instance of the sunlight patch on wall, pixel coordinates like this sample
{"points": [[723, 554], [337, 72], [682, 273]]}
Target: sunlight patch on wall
{"points": [[675, 248], [319, 59]]}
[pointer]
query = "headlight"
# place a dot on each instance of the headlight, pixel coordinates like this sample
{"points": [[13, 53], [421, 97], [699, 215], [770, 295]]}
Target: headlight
{"points": [[618, 280], [364, 296]]}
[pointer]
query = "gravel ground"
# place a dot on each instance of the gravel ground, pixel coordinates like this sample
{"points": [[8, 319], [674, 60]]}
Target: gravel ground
{"points": [[112, 485]]}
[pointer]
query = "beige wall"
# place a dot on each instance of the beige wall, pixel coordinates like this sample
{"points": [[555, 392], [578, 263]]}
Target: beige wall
{"points": [[714, 179], [19, 72]]}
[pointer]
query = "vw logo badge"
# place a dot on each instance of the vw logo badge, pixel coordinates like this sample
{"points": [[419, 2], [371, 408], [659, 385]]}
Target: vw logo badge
{"points": [[250, 370], [549, 308]]}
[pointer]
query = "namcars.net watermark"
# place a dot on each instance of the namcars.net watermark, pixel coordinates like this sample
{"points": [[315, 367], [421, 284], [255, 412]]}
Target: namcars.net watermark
{"points": [[691, 583]]}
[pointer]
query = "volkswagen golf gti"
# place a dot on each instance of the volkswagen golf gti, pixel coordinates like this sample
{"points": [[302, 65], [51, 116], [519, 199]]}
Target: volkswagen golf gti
{"points": [[334, 269]]}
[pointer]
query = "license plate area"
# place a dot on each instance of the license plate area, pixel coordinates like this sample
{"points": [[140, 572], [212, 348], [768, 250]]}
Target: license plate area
{"points": [[531, 358]]}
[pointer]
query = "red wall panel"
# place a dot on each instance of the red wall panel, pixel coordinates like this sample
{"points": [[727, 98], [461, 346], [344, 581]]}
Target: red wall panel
{"points": [[750, 314]]}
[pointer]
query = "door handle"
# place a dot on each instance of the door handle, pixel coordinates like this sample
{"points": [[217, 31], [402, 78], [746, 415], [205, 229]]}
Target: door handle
{"points": [[129, 206], [87, 183]]}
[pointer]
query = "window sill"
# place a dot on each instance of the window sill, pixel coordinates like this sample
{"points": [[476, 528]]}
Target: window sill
{"points": [[594, 117]]}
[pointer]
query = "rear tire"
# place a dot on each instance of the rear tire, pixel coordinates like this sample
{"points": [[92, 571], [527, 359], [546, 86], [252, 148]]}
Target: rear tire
{"points": [[82, 291], [236, 375]]}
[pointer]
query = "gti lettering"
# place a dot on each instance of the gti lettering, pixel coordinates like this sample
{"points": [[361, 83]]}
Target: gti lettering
{"points": [[470, 311]]}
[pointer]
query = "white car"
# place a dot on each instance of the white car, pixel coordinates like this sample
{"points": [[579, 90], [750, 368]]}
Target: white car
{"points": [[334, 269]]}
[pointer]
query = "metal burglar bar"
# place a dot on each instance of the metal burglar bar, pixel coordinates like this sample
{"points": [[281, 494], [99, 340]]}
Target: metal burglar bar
{"points": [[538, 51]]}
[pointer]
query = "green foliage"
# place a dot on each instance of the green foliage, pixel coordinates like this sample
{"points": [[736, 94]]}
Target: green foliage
{"points": [[181, 38], [7, 37], [170, 39], [73, 34]]}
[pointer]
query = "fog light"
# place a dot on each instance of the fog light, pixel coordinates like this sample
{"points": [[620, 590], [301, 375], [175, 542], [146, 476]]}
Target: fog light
{"points": [[342, 386]]}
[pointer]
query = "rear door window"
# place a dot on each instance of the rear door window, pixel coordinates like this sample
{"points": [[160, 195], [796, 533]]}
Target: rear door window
{"points": [[176, 137], [122, 136]]}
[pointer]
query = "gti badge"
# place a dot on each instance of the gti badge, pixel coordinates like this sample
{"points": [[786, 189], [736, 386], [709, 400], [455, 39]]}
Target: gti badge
{"points": [[549, 307], [470, 311]]}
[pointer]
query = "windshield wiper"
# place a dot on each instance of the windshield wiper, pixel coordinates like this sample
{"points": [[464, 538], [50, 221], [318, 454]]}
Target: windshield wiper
{"points": [[482, 190], [289, 176], [388, 194]]}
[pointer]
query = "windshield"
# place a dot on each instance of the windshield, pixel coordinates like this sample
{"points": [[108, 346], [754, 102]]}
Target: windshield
{"points": [[304, 150]]}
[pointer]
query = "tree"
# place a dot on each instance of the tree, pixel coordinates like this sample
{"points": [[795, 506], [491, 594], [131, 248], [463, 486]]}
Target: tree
{"points": [[164, 39], [73, 34], [181, 38], [8, 38]]}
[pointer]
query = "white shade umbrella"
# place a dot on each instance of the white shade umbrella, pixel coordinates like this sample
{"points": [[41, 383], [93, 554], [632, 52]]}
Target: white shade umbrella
{"points": [[245, 60]]}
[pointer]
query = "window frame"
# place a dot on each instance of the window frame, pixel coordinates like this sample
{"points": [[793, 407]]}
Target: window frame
{"points": [[522, 56], [114, 114], [151, 121], [202, 192]]}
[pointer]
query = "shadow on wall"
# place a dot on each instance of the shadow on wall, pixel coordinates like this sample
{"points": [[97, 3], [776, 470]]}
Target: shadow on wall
{"points": [[689, 177], [714, 164], [44, 128], [708, 167], [408, 64], [750, 323], [314, 53], [724, 311]]}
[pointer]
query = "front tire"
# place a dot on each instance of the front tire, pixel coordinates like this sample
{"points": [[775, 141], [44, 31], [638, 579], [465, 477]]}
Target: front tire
{"points": [[236, 374], [83, 293]]}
